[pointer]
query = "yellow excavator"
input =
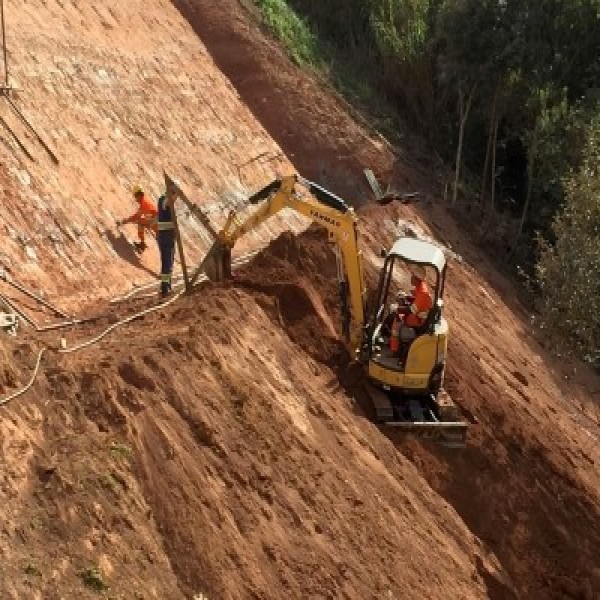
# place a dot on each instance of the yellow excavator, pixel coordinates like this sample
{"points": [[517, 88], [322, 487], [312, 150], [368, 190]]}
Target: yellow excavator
{"points": [[408, 395]]}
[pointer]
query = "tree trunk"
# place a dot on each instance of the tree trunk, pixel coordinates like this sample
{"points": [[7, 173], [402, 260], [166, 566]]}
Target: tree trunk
{"points": [[493, 173], [486, 164], [530, 170], [489, 217], [463, 107]]}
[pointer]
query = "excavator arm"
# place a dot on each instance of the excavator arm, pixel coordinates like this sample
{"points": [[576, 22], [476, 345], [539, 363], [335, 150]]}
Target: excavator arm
{"points": [[322, 207]]}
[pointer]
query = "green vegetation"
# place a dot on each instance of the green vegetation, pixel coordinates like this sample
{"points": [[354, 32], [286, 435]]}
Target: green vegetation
{"points": [[292, 30], [506, 91], [119, 450], [569, 270], [108, 482], [92, 578], [32, 571]]}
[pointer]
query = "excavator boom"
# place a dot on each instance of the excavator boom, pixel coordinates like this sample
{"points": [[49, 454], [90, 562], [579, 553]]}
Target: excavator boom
{"points": [[322, 207]]}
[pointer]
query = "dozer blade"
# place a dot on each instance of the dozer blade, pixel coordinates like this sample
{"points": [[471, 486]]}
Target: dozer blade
{"points": [[420, 416], [446, 433]]}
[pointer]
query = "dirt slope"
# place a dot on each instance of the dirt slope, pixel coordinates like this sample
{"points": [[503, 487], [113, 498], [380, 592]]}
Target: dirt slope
{"points": [[219, 446], [121, 91], [215, 448], [222, 447], [336, 148]]}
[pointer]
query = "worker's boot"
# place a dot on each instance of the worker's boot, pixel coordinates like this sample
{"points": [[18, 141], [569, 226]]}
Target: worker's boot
{"points": [[140, 247], [165, 289]]}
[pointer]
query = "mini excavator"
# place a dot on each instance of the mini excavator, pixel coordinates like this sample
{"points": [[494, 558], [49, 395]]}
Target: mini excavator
{"points": [[407, 395]]}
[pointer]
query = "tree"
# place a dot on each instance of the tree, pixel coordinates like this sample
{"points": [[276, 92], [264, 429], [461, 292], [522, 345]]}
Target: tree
{"points": [[568, 271]]}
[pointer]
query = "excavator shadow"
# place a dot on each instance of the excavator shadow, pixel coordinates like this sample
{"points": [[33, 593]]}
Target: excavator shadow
{"points": [[126, 252]]}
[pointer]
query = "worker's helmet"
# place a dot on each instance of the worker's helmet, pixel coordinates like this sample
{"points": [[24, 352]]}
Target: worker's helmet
{"points": [[137, 189], [418, 271]]}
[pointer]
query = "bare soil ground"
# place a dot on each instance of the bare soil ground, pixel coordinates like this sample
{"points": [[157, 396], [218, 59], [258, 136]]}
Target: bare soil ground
{"points": [[220, 446]]}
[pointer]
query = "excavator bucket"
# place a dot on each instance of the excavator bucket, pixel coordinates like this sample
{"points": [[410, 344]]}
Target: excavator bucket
{"points": [[435, 419], [217, 262]]}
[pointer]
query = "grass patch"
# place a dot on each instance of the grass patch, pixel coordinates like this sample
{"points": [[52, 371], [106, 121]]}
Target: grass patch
{"points": [[119, 450], [107, 481], [92, 578], [292, 30], [32, 571], [350, 75]]}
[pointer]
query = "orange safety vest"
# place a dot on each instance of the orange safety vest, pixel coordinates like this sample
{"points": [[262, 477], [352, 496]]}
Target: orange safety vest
{"points": [[420, 307], [145, 214]]}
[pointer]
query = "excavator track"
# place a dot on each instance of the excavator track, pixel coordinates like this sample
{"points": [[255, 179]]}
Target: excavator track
{"points": [[433, 418]]}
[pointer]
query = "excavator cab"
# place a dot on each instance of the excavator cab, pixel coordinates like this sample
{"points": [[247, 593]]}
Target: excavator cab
{"points": [[406, 383]]}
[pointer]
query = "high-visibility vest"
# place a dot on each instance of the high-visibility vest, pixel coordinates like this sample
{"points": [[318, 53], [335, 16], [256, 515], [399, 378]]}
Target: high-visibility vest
{"points": [[420, 306], [145, 214], [165, 219], [395, 334]]}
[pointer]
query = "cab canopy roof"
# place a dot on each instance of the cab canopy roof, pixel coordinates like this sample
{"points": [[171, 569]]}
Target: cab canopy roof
{"points": [[419, 251]]}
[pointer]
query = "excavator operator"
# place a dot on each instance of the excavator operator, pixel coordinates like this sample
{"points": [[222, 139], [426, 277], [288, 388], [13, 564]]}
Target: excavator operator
{"points": [[144, 216], [411, 313]]}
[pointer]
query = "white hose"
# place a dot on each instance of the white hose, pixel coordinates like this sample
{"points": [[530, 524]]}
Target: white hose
{"points": [[14, 395], [241, 260], [118, 324]]}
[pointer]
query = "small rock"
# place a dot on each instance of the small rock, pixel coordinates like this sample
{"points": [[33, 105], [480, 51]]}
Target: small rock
{"points": [[24, 178], [31, 253]]}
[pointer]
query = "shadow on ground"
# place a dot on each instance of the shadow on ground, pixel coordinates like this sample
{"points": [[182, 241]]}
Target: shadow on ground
{"points": [[126, 252]]}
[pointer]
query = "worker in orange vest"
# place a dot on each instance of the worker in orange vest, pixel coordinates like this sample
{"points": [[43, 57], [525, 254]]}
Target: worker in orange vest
{"points": [[411, 313], [145, 217]]}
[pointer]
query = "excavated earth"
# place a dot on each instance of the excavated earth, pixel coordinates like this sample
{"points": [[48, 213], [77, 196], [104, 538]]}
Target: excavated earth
{"points": [[221, 446]]}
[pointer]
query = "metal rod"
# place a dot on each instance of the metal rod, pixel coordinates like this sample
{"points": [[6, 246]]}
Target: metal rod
{"points": [[194, 208], [18, 311], [31, 128], [53, 326], [4, 44], [43, 302], [19, 143]]}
